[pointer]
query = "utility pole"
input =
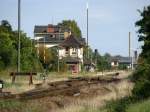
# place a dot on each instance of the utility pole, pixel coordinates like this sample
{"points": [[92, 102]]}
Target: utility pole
{"points": [[58, 55], [96, 52], [44, 52], [130, 50], [129, 44], [58, 59], [87, 31], [19, 27]]}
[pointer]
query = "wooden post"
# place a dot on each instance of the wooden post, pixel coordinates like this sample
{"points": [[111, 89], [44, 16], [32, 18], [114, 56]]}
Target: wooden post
{"points": [[13, 77], [1, 85], [30, 79]]}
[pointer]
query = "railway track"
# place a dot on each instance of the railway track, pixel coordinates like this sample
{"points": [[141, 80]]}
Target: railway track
{"points": [[70, 87]]}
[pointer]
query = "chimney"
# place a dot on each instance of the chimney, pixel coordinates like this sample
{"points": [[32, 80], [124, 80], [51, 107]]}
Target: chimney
{"points": [[50, 28]]}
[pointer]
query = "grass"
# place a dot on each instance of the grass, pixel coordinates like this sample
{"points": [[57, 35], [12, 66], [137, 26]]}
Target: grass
{"points": [[96, 104], [78, 106], [72, 104], [10, 105], [22, 82], [20, 106], [142, 106], [83, 105]]}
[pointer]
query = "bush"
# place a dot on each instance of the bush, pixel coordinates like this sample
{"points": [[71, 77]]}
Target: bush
{"points": [[141, 77], [2, 66], [119, 105], [142, 72], [122, 67], [142, 89], [142, 106]]}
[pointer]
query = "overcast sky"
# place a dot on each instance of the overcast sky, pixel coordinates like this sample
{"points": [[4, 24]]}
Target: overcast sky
{"points": [[109, 20]]}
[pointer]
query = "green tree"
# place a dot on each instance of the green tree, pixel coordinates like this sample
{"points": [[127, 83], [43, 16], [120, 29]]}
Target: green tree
{"points": [[5, 24], [50, 60], [6, 46], [142, 74], [9, 47], [72, 24], [29, 59], [144, 32]]}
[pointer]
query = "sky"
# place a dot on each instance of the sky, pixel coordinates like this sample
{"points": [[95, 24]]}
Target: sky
{"points": [[110, 21]]}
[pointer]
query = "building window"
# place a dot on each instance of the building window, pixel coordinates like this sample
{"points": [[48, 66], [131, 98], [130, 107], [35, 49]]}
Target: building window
{"points": [[81, 51], [74, 51], [115, 63]]}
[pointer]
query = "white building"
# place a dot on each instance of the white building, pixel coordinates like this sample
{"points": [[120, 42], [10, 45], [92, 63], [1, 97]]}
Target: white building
{"points": [[70, 47]]}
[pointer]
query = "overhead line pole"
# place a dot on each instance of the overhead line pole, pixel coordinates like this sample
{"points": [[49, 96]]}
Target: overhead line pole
{"points": [[87, 31], [129, 44], [19, 27], [130, 49], [58, 69], [58, 59]]}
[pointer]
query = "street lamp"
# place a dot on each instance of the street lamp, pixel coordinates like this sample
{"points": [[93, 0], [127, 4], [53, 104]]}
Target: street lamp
{"points": [[1, 85]]}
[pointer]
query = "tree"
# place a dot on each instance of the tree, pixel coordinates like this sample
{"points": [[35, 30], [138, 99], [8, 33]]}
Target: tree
{"points": [[6, 48], [142, 74], [9, 47], [50, 60], [75, 30], [5, 23], [107, 56], [29, 60], [144, 31]]}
